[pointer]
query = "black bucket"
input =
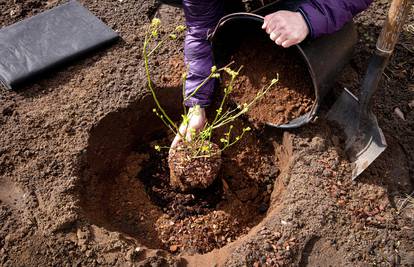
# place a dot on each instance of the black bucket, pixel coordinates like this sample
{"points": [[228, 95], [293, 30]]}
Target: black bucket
{"points": [[325, 57]]}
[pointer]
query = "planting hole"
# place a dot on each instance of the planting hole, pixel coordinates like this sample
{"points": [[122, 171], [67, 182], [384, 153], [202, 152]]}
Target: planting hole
{"points": [[126, 183]]}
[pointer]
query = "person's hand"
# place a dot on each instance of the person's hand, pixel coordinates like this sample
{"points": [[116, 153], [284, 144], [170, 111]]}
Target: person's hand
{"points": [[286, 28], [196, 122]]}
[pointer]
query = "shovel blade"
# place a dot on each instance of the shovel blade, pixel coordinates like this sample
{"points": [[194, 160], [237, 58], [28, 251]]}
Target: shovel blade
{"points": [[365, 140]]}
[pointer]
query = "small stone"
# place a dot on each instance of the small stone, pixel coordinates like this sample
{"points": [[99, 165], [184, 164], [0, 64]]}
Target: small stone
{"points": [[411, 104], [268, 247], [318, 144], [263, 208], [326, 173], [269, 188], [277, 235], [399, 113], [88, 253], [173, 248], [265, 232], [341, 202], [280, 242]]}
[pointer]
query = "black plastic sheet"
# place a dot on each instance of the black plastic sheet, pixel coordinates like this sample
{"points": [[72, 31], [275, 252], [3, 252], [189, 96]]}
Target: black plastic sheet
{"points": [[41, 43]]}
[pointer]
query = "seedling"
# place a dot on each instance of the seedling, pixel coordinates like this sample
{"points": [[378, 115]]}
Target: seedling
{"points": [[195, 162], [200, 144]]}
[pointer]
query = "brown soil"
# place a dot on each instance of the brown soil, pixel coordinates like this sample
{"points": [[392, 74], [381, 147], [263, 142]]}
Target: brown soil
{"points": [[72, 146], [141, 202], [188, 172], [262, 61], [176, 68], [205, 219]]}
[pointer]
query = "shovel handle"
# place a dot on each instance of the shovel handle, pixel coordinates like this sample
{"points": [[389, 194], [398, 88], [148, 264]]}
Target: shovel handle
{"points": [[392, 27]]}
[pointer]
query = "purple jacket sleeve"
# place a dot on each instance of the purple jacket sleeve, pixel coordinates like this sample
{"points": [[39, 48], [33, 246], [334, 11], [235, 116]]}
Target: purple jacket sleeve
{"points": [[201, 16], [322, 16], [328, 16]]}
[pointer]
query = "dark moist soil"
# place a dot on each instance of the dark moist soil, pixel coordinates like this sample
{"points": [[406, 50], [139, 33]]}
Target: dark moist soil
{"points": [[204, 219], [72, 145], [262, 61]]}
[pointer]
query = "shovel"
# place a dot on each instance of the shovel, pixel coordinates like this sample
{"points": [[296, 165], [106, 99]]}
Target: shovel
{"points": [[364, 138]]}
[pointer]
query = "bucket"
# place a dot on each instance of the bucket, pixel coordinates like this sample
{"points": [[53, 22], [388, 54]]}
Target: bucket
{"points": [[324, 57]]}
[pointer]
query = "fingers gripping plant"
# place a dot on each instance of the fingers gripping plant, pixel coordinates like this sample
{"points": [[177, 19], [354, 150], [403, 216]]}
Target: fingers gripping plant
{"points": [[199, 146]]}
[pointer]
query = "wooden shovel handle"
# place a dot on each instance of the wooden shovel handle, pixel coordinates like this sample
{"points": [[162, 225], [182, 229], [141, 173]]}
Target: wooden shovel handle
{"points": [[397, 15]]}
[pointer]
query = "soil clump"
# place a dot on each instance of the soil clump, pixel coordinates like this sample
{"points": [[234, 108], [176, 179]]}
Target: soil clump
{"points": [[190, 171], [262, 61], [204, 219]]}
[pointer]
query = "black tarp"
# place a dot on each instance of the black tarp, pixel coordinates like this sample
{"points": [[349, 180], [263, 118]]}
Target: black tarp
{"points": [[43, 42]]}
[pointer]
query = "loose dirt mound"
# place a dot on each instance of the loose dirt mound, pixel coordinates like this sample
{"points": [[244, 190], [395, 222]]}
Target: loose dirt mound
{"points": [[262, 61]]}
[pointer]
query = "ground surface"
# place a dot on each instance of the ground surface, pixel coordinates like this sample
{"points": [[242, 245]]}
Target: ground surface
{"points": [[71, 158]]}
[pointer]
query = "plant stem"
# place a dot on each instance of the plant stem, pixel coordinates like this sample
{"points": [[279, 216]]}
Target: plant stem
{"points": [[154, 96], [156, 47], [198, 88]]}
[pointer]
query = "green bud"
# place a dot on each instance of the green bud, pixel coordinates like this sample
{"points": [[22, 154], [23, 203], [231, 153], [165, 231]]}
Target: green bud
{"points": [[180, 28], [155, 22], [231, 72]]}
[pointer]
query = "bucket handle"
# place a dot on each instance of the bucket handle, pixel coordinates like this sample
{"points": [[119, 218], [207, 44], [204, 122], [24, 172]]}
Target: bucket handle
{"points": [[238, 15]]}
